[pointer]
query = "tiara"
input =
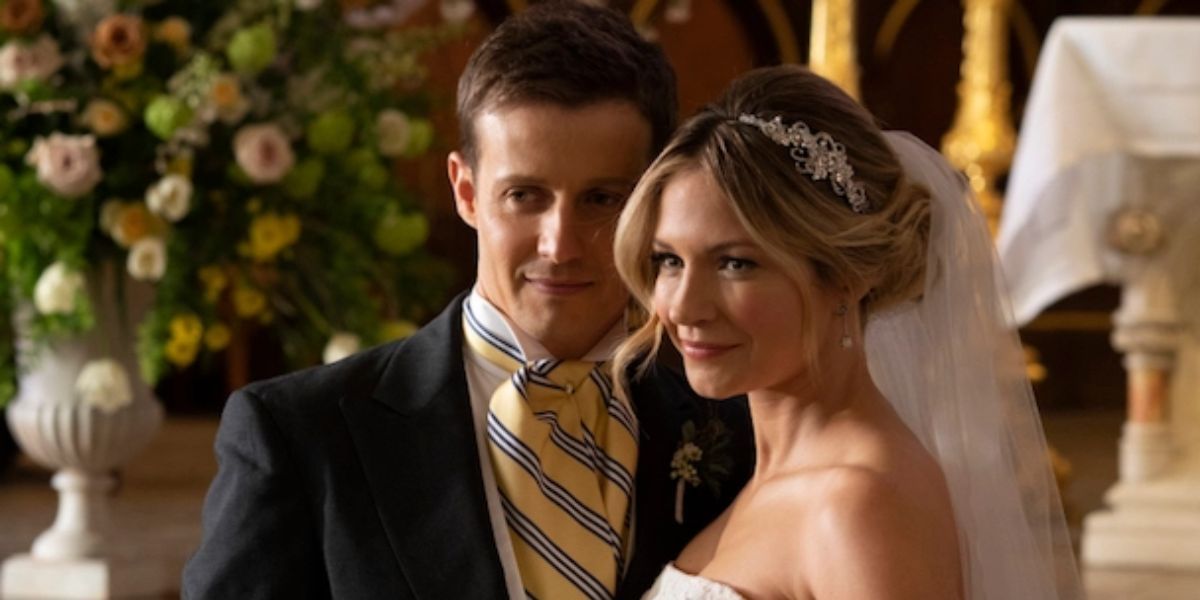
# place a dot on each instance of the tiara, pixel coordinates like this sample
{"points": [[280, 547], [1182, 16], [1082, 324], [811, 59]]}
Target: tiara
{"points": [[817, 155]]}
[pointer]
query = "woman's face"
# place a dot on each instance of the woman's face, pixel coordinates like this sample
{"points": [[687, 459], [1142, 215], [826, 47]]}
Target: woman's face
{"points": [[732, 312]]}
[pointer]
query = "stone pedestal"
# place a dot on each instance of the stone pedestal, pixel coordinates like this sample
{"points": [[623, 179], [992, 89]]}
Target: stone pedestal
{"points": [[82, 411], [26, 577], [1152, 524], [1153, 515]]}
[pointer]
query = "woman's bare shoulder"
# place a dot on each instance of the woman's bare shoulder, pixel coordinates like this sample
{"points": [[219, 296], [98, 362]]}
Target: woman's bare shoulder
{"points": [[875, 533]]}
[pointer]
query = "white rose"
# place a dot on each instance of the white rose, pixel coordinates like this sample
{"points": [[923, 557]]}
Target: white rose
{"points": [[68, 165], [263, 152], [393, 129], [110, 211], [341, 345], [170, 198], [104, 385], [308, 4], [57, 289], [147, 259], [84, 14], [29, 62]]}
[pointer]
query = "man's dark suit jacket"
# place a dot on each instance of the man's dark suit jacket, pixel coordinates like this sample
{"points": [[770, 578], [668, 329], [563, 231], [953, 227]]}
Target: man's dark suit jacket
{"points": [[361, 480]]}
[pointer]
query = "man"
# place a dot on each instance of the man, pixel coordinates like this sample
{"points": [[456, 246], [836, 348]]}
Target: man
{"points": [[423, 469]]}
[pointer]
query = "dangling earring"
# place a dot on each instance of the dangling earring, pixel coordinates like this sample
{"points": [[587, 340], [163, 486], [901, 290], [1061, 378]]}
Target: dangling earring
{"points": [[847, 341]]}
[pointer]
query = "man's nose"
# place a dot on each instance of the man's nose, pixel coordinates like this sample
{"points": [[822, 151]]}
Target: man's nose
{"points": [[561, 237]]}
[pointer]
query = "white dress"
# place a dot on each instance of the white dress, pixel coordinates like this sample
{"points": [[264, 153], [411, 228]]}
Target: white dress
{"points": [[673, 584]]}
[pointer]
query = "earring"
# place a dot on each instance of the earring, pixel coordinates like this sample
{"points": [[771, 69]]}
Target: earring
{"points": [[847, 341]]}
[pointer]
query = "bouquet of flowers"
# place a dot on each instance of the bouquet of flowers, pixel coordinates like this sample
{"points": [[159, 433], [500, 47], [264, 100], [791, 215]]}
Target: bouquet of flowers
{"points": [[235, 154]]}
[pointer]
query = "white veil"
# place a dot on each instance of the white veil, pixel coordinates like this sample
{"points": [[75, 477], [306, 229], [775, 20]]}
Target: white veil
{"points": [[954, 371]]}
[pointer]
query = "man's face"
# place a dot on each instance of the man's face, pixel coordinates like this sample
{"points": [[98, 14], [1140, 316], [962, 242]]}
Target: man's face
{"points": [[543, 198]]}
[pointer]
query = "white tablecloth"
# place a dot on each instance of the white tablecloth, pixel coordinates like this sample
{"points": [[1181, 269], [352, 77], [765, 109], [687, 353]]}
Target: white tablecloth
{"points": [[1108, 94]]}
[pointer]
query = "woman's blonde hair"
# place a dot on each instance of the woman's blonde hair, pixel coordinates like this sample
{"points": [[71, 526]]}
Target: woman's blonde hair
{"points": [[798, 221]]}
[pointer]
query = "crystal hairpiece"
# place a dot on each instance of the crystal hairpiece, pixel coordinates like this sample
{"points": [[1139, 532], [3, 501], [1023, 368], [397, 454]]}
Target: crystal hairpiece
{"points": [[817, 155]]}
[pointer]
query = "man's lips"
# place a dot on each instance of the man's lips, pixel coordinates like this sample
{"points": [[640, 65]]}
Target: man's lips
{"points": [[703, 350], [558, 287]]}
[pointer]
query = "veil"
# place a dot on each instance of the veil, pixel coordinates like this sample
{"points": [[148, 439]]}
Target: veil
{"points": [[954, 371]]}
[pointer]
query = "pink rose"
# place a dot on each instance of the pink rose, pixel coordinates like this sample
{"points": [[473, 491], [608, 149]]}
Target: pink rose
{"points": [[28, 62], [263, 152], [68, 165]]}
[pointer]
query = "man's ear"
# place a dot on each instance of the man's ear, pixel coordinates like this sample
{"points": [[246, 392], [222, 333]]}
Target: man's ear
{"points": [[463, 183]]}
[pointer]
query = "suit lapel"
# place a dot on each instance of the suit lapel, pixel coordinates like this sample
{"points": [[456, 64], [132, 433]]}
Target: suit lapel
{"points": [[656, 535], [415, 436]]}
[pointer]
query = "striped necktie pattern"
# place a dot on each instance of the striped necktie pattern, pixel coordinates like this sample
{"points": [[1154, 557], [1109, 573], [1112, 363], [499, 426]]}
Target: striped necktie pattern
{"points": [[564, 451]]}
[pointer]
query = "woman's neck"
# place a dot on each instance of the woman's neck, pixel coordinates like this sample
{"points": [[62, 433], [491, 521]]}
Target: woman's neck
{"points": [[789, 418]]}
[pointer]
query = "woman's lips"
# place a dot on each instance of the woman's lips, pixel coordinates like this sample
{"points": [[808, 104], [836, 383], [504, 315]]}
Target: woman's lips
{"points": [[703, 350], [558, 287]]}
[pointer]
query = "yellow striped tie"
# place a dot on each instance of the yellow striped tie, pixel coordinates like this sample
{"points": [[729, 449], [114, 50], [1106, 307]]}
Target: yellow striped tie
{"points": [[564, 452]]}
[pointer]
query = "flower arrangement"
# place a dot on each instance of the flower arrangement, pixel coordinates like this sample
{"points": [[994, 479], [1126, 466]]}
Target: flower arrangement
{"points": [[701, 457], [236, 155]]}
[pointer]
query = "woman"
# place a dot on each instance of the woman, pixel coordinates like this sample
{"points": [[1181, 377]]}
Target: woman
{"points": [[841, 277]]}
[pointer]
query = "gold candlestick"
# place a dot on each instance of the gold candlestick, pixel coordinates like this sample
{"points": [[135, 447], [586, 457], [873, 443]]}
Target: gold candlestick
{"points": [[982, 139], [832, 52]]}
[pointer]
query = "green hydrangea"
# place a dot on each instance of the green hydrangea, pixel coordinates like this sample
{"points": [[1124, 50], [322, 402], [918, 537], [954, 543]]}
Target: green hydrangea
{"points": [[420, 137], [165, 114], [252, 49], [331, 132], [302, 181], [398, 234]]}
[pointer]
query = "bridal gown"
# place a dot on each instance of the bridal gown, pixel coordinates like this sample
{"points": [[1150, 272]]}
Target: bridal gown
{"points": [[674, 584]]}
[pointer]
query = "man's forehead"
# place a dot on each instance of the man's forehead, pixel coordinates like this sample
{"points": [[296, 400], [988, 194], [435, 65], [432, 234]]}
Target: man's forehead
{"points": [[610, 140]]}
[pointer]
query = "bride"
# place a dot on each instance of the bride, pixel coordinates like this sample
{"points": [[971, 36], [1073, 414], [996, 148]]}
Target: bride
{"points": [[841, 277]]}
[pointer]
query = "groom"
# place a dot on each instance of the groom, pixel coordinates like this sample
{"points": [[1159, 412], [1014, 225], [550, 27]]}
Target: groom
{"points": [[415, 470]]}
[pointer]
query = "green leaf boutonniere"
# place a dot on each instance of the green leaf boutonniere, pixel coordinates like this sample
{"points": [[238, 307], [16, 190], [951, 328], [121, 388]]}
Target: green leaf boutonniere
{"points": [[702, 457]]}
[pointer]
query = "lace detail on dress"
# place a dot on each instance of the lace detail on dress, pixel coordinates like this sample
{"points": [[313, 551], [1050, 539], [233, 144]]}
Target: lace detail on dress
{"points": [[673, 584]]}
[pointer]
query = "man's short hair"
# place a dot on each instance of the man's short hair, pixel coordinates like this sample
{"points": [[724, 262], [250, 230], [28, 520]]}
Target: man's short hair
{"points": [[570, 54]]}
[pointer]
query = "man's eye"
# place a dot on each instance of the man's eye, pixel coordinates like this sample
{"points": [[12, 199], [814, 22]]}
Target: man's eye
{"points": [[518, 195], [606, 199]]}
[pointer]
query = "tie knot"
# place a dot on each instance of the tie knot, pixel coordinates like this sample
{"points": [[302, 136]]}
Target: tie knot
{"points": [[566, 375]]}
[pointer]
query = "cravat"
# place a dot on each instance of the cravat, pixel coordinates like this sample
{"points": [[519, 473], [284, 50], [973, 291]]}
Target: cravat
{"points": [[564, 452]]}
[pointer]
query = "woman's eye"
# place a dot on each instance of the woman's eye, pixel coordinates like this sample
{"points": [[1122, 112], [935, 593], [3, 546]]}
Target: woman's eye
{"points": [[665, 260], [730, 263]]}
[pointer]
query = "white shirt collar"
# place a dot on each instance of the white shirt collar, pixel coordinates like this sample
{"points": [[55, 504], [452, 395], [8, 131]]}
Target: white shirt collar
{"points": [[497, 322]]}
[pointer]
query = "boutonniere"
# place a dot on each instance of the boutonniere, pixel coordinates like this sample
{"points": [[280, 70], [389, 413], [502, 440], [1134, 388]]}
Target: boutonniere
{"points": [[701, 458]]}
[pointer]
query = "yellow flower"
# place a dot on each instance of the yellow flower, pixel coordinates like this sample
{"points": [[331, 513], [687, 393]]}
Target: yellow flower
{"points": [[226, 92], [270, 234], [104, 117], [186, 327], [133, 221], [175, 32], [291, 229], [217, 337], [132, 224], [214, 280], [397, 329], [248, 302], [181, 353]]}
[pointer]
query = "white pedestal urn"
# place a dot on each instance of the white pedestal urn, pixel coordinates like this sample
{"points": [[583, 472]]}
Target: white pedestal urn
{"points": [[83, 411]]}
